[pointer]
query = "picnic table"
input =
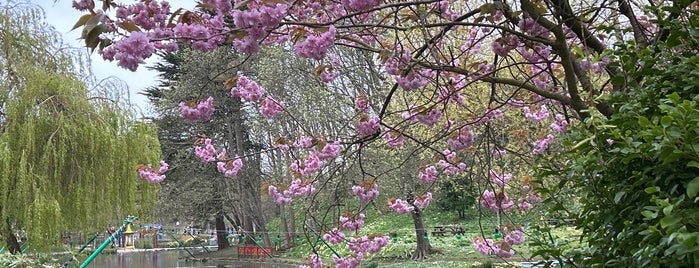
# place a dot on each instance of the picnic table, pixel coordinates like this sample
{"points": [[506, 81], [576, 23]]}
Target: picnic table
{"points": [[440, 230]]}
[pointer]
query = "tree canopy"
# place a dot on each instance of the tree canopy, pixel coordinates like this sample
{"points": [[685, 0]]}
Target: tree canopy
{"points": [[67, 154]]}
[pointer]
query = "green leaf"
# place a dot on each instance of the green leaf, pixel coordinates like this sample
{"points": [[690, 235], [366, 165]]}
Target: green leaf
{"points": [[651, 190], [669, 220], [643, 121], [83, 19], [618, 80], [666, 121], [618, 196], [694, 164], [693, 187]]}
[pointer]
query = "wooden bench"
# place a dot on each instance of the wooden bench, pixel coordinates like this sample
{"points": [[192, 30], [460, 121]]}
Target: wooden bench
{"points": [[441, 230]]}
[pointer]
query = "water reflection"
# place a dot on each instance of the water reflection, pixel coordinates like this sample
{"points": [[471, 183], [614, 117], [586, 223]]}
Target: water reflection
{"points": [[168, 259]]}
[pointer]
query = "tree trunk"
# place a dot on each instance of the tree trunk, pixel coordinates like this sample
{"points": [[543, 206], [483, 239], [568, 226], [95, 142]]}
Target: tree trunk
{"points": [[11, 241], [292, 224], [221, 238], [423, 244], [285, 225]]}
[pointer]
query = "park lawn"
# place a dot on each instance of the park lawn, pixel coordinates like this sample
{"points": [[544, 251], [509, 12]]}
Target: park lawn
{"points": [[447, 250]]}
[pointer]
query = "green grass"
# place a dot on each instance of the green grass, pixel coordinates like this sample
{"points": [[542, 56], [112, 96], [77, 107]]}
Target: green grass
{"points": [[447, 250]]}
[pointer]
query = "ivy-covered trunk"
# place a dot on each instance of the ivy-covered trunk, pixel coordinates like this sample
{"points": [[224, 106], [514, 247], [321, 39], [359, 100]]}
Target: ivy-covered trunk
{"points": [[11, 240]]}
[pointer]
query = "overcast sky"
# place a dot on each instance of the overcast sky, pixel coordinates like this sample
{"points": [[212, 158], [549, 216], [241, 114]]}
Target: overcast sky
{"points": [[62, 16]]}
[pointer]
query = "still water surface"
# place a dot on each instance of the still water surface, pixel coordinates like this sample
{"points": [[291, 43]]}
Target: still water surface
{"points": [[168, 259]]}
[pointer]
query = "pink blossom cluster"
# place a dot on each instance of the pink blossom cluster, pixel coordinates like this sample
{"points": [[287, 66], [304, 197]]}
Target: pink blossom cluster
{"points": [[503, 45], [496, 201], [490, 116], [423, 201], [368, 126], [367, 192], [247, 89], [400, 206], [499, 153], [229, 167], [130, 51], [461, 139], [559, 124], [450, 164], [533, 28], [316, 262], [498, 179], [269, 107], [330, 151], [206, 153], [541, 145], [359, 5], [257, 19], [299, 187], [484, 246], [527, 202], [539, 115], [415, 79], [352, 222], [315, 46], [278, 197], [429, 174], [330, 72], [334, 236], [394, 139], [362, 103], [597, 67], [200, 111], [488, 246], [364, 244], [452, 91], [514, 237], [427, 116], [303, 142], [348, 262], [151, 174]]}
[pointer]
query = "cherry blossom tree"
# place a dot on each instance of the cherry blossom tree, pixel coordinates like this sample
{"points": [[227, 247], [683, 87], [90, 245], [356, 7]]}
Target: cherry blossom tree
{"points": [[459, 74]]}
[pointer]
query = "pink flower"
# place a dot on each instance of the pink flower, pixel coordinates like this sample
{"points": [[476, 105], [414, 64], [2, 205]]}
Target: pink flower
{"points": [[335, 236], [269, 107], [151, 174], [428, 175], [496, 202], [461, 139], [230, 167], [367, 127], [364, 244], [200, 111], [514, 237], [278, 197], [330, 151], [362, 103], [542, 114], [423, 201], [541, 145], [394, 139], [498, 179], [352, 222], [207, 153], [368, 190], [560, 123], [315, 46], [484, 246], [129, 52], [358, 5], [400, 206], [247, 89], [300, 187]]}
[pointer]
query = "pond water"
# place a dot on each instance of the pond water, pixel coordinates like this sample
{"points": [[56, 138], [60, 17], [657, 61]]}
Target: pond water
{"points": [[169, 259]]}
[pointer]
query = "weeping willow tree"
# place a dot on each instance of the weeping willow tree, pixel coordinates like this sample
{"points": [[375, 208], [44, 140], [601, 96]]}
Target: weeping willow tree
{"points": [[67, 154]]}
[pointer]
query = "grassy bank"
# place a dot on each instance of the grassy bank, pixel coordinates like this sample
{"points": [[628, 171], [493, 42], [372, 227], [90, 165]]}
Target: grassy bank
{"points": [[448, 250]]}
